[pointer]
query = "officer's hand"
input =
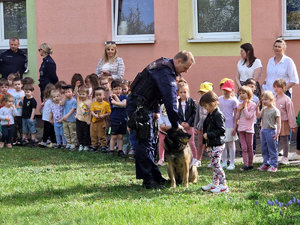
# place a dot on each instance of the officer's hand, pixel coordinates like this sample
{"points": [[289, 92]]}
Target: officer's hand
{"points": [[180, 127]]}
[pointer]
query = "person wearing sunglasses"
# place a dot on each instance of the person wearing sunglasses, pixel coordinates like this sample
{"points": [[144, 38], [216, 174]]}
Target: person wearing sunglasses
{"points": [[47, 69], [110, 64]]}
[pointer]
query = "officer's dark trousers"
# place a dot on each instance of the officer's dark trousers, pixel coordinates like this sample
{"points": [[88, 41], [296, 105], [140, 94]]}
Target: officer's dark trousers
{"points": [[146, 169]]}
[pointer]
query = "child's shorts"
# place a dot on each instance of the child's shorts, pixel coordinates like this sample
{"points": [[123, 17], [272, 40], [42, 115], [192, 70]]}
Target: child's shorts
{"points": [[28, 126], [118, 127]]}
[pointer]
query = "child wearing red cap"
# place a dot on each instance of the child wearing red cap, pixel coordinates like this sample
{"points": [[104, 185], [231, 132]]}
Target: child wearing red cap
{"points": [[228, 106]]}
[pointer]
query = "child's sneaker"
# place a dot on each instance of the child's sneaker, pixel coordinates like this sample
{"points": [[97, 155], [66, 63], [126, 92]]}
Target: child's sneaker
{"points": [[93, 149], [263, 168], [231, 167], [121, 154], [72, 147], [208, 187], [294, 156], [160, 162], [220, 189], [86, 148], [104, 149], [284, 161], [272, 169], [1, 144], [224, 165], [209, 165], [80, 148], [43, 144], [198, 163], [68, 146]]}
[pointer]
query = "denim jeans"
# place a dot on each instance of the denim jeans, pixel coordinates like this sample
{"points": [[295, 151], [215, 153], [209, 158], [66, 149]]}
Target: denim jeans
{"points": [[269, 147], [59, 134]]}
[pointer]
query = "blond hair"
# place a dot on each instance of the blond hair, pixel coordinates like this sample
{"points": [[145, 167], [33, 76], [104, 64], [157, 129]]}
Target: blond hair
{"points": [[105, 56], [247, 90], [269, 95], [46, 48]]}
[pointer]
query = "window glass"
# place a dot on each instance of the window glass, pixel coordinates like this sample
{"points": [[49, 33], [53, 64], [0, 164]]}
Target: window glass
{"points": [[15, 19], [218, 16], [135, 17], [293, 15]]}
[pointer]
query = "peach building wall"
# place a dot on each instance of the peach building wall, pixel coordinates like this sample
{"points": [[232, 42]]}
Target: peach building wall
{"points": [[78, 29]]}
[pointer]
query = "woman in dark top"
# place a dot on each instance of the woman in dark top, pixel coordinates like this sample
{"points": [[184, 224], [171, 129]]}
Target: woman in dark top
{"points": [[47, 69]]}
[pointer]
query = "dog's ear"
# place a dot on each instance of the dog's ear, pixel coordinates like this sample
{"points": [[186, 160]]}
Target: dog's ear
{"points": [[184, 137]]}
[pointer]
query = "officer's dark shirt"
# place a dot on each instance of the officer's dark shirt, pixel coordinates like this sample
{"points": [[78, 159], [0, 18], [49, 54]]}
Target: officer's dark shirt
{"points": [[47, 72], [165, 82], [11, 62]]}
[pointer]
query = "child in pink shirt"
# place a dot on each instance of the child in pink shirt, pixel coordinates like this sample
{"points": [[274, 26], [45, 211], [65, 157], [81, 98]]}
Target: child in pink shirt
{"points": [[288, 117], [245, 120]]}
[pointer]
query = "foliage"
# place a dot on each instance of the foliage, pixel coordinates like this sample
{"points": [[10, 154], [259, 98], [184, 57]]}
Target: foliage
{"points": [[135, 23], [45, 186], [15, 24], [218, 16]]}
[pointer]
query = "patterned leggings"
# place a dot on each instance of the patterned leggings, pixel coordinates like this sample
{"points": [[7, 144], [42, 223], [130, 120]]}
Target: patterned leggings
{"points": [[218, 172]]}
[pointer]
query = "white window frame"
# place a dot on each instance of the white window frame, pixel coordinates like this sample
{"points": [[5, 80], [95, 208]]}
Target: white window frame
{"points": [[288, 34], [4, 43], [127, 39], [213, 36]]}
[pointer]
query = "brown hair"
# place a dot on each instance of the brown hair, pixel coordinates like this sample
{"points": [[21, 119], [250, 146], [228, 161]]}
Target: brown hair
{"points": [[247, 90], [209, 98], [28, 87], [184, 56], [280, 83], [250, 81], [83, 88], [48, 89], [248, 48], [3, 81], [5, 98]]}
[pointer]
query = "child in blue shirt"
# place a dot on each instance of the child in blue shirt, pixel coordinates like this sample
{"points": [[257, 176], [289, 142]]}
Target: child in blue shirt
{"points": [[117, 117], [69, 121]]}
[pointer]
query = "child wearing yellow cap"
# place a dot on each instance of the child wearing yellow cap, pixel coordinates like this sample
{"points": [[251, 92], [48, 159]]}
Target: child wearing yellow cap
{"points": [[201, 114]]}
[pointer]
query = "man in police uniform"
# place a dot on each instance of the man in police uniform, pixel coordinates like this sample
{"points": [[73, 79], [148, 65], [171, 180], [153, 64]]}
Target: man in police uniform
{"points": [[13, 60], [155, 85]]}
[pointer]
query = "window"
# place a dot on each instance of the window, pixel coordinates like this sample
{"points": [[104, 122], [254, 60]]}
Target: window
{"points": [[133, 21], [13, 22], [216, 21], [291, 19]]}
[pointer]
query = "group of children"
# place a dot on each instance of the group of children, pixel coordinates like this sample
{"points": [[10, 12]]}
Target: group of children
{"points": [[88, 114]]}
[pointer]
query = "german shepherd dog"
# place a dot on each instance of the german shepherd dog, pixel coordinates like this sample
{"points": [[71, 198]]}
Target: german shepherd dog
{"points": [[179, 156]]}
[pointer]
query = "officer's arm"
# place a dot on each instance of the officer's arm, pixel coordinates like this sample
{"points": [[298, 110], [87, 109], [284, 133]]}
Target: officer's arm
{"points": [[51, 69], [166, 84]]}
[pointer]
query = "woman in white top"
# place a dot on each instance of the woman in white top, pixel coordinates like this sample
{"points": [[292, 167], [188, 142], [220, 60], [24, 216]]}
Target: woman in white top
{"points": [[111, 64], [248, 67], [281, 66]]}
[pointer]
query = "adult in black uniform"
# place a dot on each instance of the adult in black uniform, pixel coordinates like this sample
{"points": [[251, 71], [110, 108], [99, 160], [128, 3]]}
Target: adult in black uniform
{"points": [[47, 69], [13, 60], [156, 84]]}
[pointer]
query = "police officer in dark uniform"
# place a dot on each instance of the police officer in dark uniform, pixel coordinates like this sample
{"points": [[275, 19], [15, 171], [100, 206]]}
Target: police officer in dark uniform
{"points": [[156, 84], [13, 60], [47, 69]]}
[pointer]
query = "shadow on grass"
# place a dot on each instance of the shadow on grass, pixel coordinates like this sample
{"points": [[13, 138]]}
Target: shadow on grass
{"points": [[88, 193]]}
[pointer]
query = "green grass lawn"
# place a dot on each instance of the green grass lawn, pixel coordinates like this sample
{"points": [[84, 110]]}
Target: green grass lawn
{"points": [[45, 186]]}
